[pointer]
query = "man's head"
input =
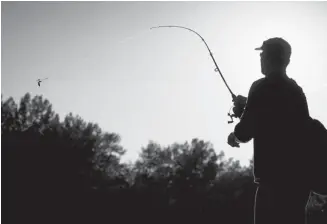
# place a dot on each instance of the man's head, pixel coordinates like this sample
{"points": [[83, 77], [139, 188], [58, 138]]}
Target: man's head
{"points": [[275, 55]]}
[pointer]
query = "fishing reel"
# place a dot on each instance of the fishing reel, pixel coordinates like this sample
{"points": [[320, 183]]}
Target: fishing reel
{"points": [[237, 113], [238, 107], [231, 116]]}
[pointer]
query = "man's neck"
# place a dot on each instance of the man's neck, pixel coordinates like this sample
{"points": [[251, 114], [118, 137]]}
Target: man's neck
{"points": [[276, 73]]}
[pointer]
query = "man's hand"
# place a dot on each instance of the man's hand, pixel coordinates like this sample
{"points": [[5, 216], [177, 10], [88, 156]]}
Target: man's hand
{"points": [[239, 105], [232, 140]]}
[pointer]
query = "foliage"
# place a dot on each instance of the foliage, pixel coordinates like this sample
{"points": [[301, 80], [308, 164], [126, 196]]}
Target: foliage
{"points": [[61, 171]]}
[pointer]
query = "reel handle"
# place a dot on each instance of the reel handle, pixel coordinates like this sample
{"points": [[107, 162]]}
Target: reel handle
{"points": [[231, 117]]}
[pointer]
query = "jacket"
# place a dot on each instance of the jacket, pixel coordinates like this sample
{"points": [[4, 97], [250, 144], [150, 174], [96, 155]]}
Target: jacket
{"points": [[275, 117]]}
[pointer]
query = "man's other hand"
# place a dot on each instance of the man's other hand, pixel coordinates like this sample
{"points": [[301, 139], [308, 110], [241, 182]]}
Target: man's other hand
{"points": [[232, 140]]}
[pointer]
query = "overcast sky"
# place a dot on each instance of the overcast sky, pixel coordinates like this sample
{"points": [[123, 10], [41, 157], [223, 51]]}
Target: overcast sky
{"points": [[106, 65]]}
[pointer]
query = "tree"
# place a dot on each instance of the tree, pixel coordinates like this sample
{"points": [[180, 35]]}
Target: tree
{"points": [[52, 162]]}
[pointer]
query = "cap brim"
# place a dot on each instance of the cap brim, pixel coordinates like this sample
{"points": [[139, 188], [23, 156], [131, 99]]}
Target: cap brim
{"points": [[258, 49]]}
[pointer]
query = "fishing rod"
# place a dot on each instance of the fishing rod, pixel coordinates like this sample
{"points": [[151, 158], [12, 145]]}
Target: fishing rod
{"points": [[216, 69]]}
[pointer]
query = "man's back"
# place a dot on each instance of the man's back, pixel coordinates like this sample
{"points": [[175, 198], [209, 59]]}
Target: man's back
{"points": [[281, 114]]}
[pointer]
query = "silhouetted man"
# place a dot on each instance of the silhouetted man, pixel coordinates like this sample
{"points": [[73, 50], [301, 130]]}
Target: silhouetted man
{"points": [[275, 117]]}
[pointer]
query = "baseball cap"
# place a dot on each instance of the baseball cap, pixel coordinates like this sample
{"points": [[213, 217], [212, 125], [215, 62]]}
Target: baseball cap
{"points": [[276, 47]]}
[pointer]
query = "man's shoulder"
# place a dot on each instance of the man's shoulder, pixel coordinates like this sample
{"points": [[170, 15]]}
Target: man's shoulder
{"points": [[256, 85], [295, 85], [259, 82]]}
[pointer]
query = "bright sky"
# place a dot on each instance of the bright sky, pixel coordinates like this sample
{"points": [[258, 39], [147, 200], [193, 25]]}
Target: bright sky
{"points": [[106, 65]]}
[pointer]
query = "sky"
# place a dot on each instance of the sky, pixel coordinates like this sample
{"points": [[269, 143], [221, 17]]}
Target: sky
{"points": [[104, 63]]}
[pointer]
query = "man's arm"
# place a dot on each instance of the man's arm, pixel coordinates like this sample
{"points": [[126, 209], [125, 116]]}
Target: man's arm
{"points": [[244, 130]]}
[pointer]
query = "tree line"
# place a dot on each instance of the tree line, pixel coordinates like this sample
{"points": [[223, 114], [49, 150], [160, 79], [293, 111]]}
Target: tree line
{"points": [[70, 171]]}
